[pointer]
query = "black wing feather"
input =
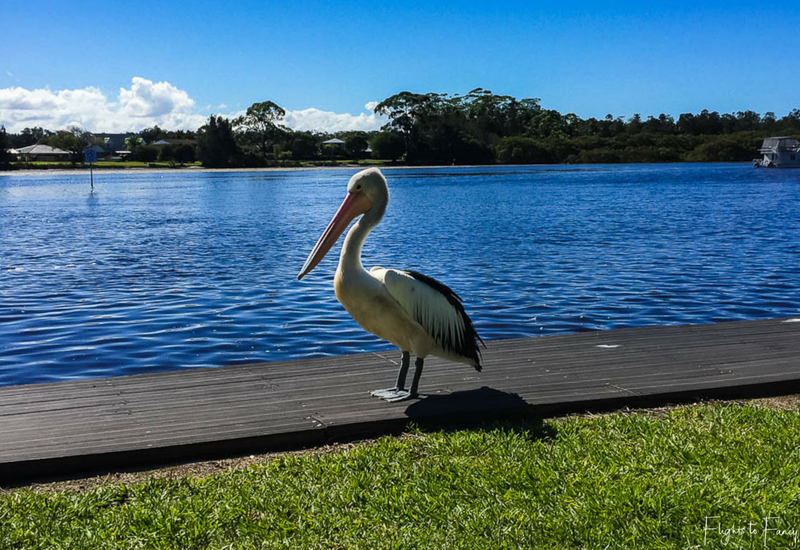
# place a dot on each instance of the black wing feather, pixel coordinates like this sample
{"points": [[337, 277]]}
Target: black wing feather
{"points": [[469, 347]]}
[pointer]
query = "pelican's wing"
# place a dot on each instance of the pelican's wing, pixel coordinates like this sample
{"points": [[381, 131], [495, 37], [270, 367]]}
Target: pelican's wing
{"points": [[438, 310]]}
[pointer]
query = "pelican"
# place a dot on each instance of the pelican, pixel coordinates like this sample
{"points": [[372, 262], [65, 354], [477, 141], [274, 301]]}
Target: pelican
{"points": [[414, 312]]}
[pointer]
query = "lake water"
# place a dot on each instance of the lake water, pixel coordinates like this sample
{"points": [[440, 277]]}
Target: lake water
{"points": [[161, 271]]}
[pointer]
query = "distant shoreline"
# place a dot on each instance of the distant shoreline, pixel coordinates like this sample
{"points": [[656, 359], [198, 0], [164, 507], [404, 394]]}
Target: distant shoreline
{"points": [[198, 169], [191, 169]]}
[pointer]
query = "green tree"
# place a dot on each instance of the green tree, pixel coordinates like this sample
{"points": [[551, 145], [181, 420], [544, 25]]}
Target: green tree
{"points": [[133, 144], [490, 116], [356, 145], [167, 153], [184, 153], [548, 123], [74, 139], [409, 115], [151, 135], [216, 145], [635, 124], [146, 153], [28, 136], [387, 145], [791, 122], [304, 145], [747, 120], [260, 128], [521, 150], [708, 122], [5, 156], [728, 148], [180, 134]]}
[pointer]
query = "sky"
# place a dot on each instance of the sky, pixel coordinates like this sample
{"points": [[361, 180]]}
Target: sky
{"points": [[120, 66]]}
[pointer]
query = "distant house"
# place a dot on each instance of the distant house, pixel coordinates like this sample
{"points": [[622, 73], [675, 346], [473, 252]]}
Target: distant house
{"points": [[43, 153], [333, 141], [333, 145]]}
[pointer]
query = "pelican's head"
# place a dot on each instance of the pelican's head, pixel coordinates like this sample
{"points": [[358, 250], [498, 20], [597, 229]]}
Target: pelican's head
{"points": [[371, 184], [368, 194]]}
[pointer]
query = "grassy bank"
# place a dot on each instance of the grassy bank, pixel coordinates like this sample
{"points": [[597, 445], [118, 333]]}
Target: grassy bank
{"points": [[637, 480], [103, 165]]}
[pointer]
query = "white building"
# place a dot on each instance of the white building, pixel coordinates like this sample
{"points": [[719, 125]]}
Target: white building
{"points": [[779, 152], [42, 153]]}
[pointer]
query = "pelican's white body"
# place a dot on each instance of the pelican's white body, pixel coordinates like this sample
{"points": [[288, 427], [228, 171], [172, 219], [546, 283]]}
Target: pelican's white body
{"points": [[383, 302], [398, 306]]}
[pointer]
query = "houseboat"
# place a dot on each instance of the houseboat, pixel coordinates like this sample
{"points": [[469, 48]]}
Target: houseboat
{"points": [[779, 152]]}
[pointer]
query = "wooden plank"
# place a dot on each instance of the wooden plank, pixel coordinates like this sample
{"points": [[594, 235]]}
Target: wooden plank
{"points": [[135, 421]]}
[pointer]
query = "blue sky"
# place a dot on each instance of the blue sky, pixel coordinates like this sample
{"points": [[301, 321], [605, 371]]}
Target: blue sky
{"points": [[335, 57]]}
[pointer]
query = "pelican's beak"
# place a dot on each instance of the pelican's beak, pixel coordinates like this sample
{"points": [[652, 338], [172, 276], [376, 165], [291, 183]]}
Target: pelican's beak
{"points": [[353, 206]]}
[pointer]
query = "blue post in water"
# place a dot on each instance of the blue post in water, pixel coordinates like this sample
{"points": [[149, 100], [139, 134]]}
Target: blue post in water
{"points": [[90, 156]]}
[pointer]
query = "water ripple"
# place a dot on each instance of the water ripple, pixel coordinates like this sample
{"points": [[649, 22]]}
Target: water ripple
{"points": [[156, 272]]}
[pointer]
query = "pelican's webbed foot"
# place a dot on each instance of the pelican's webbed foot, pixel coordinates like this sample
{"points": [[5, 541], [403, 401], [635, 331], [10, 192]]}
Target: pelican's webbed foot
{"points": [[388, 393], [398, 392], [393, 395]]}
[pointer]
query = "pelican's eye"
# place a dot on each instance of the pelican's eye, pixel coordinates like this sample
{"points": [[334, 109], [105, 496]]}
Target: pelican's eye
{"points": [[358, 187]]}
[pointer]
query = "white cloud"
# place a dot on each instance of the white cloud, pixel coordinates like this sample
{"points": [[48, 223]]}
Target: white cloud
{"points": [[145, 104], [146, 99], [328, 121]]}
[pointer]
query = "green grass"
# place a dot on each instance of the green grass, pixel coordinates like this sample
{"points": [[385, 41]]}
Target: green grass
{"points": [[341, 162], [104, 164], [136, 164], [617, 481]]}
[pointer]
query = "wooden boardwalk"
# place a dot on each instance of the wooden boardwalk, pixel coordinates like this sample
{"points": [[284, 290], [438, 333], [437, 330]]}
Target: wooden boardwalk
{"points": [[72, 428]]}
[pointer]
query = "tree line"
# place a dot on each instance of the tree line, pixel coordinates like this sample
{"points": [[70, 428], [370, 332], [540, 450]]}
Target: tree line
{"points": [[482, 127], [476, 128], [257, 138]]}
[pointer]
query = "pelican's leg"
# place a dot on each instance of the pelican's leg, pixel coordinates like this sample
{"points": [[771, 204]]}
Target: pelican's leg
{"points": [[412, 393], [400, 386], [417, 374]]}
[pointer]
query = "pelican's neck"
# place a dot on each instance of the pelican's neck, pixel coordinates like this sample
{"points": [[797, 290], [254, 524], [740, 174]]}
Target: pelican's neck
{"points": [[350, 258]]}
